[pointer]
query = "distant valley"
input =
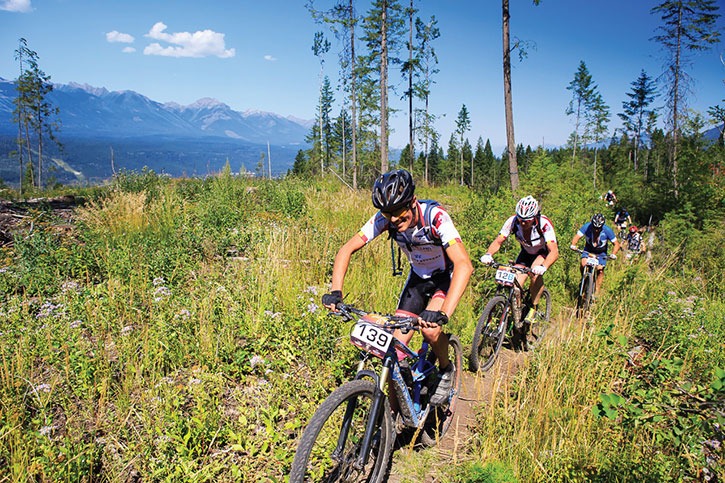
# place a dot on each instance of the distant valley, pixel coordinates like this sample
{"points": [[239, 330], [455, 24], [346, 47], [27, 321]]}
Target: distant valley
{"points": [[102, 131]]}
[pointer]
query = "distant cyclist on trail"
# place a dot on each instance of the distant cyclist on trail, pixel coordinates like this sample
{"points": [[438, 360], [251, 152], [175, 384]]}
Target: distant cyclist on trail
{"points": [[598, 236], [634, 242], [610, 198], [539, 249], [439, 264], [622, 219]]}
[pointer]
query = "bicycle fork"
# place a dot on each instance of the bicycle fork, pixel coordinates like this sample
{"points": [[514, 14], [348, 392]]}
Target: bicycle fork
{"points": [[375, 412]]}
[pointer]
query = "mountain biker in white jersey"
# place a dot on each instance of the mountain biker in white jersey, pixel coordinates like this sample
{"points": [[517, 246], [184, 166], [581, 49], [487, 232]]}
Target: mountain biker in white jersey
{"points": [[439, 264], [539, 249]]}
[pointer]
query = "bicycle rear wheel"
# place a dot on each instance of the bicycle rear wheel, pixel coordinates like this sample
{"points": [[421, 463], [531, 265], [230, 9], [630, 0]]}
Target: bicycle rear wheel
{"points": [[489, 334], [440, 417], [535, 330], [317, 458]]}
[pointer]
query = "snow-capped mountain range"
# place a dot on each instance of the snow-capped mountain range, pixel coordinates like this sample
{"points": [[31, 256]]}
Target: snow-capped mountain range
{"points": [[87, 111], [179, 140]]}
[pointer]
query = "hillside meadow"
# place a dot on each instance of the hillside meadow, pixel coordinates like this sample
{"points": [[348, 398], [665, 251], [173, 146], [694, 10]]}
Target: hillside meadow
{"points": [[174, 332]]}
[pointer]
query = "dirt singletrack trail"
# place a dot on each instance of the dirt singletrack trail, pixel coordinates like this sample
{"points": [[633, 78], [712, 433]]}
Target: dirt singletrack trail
{"points": [[414, 465]]}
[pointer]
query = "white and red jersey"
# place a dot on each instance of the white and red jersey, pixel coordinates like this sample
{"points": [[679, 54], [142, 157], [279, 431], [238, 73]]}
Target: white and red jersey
{"points": [[425, 246], [538, 238]]}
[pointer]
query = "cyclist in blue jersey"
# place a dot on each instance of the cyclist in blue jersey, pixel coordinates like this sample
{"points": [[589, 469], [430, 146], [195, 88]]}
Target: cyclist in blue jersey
{"points": [[598, 236]]}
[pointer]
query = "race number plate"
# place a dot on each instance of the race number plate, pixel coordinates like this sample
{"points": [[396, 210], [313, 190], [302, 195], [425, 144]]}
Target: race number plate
{"points": [[592, 261], [505, 277], [371, 338]]}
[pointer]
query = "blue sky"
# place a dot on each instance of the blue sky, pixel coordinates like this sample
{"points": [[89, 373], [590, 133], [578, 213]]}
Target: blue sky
{"points": [[257, 55]]}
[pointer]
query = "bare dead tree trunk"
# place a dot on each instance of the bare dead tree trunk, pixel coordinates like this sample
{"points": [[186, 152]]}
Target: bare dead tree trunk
{"points": [[384, 89], [411, 152], [353, 107], [508, 102], [675, 102]]}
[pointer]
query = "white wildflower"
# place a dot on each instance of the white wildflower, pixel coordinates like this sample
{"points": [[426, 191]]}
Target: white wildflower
{"points": [[256, 361], [42, 388]]}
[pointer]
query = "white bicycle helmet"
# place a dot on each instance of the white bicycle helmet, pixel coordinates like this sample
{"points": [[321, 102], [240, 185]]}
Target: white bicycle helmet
{"points": [[527, 208]]}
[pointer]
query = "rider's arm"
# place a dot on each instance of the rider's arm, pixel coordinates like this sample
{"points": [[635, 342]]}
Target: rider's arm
{"points": [[342, 260], [617, 246], [575, 239], [462, 270], [553, 254], [496, 245]]}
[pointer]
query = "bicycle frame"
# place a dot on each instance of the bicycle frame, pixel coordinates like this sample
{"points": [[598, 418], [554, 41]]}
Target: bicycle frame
{"points": [[511, 301], [411, 410]]}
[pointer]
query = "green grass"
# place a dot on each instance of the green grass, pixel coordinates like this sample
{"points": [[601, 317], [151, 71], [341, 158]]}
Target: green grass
{"points": [[177, 335]]}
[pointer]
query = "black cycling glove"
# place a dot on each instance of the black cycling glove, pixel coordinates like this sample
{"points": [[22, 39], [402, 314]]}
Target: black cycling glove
{"points": [[434, 316], [332, 298]]}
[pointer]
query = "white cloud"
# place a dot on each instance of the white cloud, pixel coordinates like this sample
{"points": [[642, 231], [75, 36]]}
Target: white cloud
{"points": [[117, 36], [270, 58], [202, 43], [22, 6], [128, 50]]}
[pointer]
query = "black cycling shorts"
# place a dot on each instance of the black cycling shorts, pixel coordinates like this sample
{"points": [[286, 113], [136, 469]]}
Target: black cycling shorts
{"points": [[526, 259], [418, 291]]}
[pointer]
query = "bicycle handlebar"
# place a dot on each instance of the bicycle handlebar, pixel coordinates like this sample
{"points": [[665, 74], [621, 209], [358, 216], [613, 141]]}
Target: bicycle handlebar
{"points": [[609, 257], [349, 313], [512, 267]]}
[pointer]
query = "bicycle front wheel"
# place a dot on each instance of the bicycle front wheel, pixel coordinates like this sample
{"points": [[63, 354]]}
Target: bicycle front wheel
{"points": [[330, 445], [440, 417], [489, 334], [536, 329], [585, 294]]}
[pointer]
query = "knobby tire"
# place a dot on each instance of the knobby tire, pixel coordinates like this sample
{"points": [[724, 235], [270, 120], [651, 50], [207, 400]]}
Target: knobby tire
{"points": [[489, 334], [440, 417], [585, 294], [314, 461]]}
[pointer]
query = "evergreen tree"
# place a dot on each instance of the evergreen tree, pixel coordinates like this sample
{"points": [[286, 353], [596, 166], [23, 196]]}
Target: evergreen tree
{"points": [[300, 167], [463, 125], [717, 114], [598, 120], [687, 26], [450, 171], [320, 46], [341, 139], [341, 20], [326, 101], [636, 114], [467, 155], [479, 161], [426, 33], [582, 90], [34, 113]]}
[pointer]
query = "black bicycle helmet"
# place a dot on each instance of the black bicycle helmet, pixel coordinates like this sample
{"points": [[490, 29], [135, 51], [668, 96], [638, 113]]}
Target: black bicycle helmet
{"points": [[598, 220], [393, 190]]}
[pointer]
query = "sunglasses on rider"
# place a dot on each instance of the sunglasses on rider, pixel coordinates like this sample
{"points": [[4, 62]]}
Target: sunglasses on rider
{"points": [[527, 221], [399, 213]]}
